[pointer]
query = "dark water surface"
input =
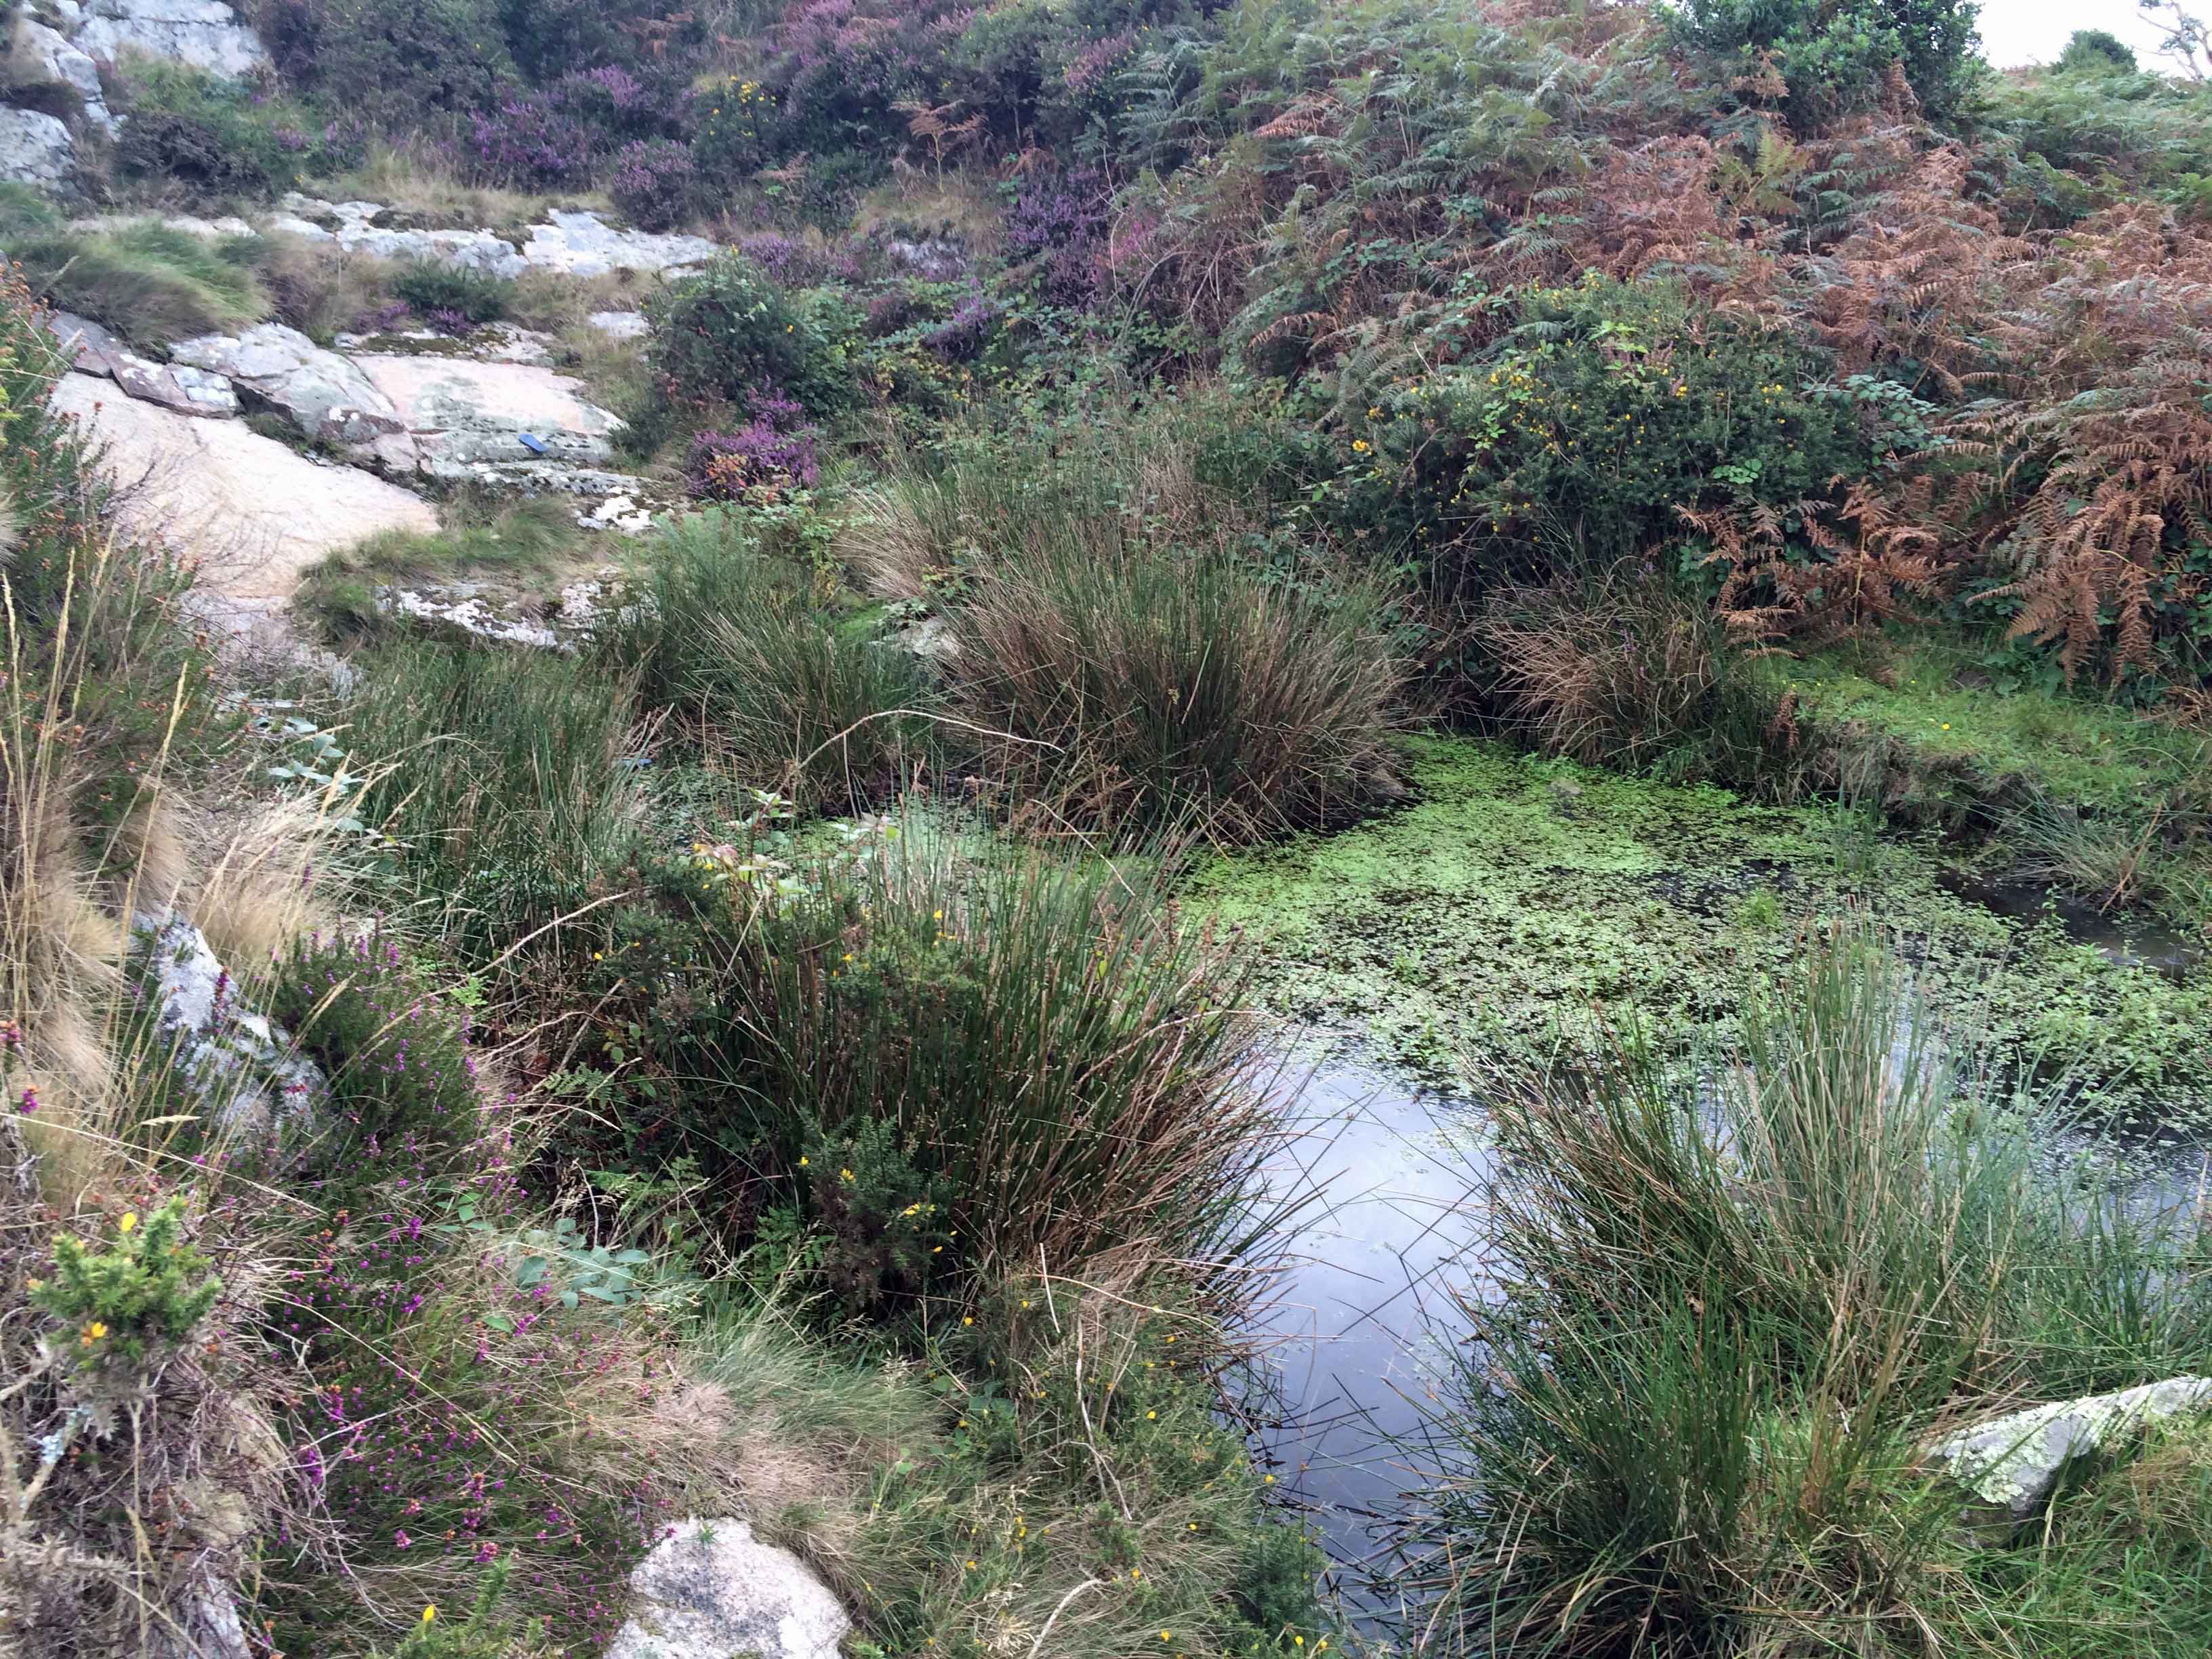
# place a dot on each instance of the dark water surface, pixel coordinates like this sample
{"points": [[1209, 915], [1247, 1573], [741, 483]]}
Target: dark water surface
{"points": [[1353, 1324]]}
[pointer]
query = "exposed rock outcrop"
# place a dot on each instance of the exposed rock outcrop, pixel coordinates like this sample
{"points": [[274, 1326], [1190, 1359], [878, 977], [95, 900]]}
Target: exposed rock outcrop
{"points": [[712, 1590], [205, 33], [325, 395], [35, 148], [68, 66], [583, 245], [465, 416], [254, 513], [241, 1064]]}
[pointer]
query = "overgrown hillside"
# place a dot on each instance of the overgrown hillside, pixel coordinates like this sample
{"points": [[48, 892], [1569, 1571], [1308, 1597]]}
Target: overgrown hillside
{"points": [[649, 652]]}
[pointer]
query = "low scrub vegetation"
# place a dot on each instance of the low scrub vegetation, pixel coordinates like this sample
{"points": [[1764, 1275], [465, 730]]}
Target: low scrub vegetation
{"points": [[150, 284]]}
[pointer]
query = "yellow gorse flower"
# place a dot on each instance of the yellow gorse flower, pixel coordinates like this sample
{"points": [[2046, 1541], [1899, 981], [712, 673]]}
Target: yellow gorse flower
{"points": [[429, 1613], [130, 1220]]}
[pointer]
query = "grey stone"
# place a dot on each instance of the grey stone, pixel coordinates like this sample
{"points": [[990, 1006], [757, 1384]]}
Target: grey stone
{"points": [[466, 415], [467, 611], [209, 230], [90, 348], [35, 149], [2013, 1463], [618, 512], [583, 245], [186, 390], [711, 1590], [239, 1063], [323, 393], [305, 229], [204, 32], [72, 68], [621, 324]]}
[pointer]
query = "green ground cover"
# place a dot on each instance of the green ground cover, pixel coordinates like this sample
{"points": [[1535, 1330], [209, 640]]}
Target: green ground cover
{"points": [[1518, 896]]}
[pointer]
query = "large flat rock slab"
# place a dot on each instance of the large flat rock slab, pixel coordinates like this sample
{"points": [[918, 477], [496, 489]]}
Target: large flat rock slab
{"points": [[254, 513], [465, 414], [323, 393]]}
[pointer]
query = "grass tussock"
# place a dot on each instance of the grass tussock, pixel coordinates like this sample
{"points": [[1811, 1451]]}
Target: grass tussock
{"points": [[1728, 1319], [501, 788], [151, 285], [777, 694], [1133, 690], [1121, 659]]}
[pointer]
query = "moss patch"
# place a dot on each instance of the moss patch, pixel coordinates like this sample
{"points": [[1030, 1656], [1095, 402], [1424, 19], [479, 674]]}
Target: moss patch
{"points": [[1952, 720], [1520, 895]]}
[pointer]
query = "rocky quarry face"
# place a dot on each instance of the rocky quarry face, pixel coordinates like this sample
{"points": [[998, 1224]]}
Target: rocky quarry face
{"points": [[204, 32]]}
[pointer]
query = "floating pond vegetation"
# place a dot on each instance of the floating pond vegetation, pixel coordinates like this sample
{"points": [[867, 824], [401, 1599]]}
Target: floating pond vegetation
{"points": [[1520, 903]]}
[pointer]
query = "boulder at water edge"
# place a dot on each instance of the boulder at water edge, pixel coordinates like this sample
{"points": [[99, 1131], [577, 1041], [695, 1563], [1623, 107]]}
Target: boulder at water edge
{"points": [[712, 1590], [2014, 1463]]}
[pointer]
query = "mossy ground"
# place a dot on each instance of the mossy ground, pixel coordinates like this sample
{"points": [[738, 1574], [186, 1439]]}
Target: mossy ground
{"points": [[1519, 899], [1959, 720]]}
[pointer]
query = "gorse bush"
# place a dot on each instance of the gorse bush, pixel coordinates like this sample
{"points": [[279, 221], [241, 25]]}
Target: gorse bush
{"points": [[730, 331], [1832, 59], [1606, 412], [148, 1287]]}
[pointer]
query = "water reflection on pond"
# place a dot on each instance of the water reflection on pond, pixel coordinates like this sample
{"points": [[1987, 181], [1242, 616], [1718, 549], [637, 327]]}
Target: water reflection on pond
{"points": [[1366, 1289]]}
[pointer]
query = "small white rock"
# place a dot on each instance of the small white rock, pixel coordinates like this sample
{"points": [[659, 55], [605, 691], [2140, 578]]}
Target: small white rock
{"points": [[712, 1590]]}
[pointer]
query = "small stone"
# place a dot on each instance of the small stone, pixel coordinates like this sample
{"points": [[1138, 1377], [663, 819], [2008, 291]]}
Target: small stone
{"points": [[712, 1590], [621, 324], [2013, 1463], [186, 390], [305, 229], [90, 348]]}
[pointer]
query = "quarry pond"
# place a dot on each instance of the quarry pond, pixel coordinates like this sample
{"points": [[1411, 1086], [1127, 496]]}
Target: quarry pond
{"points": [[1518, 910]]}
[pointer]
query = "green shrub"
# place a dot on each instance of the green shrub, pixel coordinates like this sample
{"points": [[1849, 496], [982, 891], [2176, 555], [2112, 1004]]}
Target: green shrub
{"points": [[731, 331], [2095, 51], [1833, 57], [1606, 411], [148, 1288], [188, 126], [1040, 1049], [432, 288], [501, 782], [777, 694], [152, 285], [403, 63]]}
